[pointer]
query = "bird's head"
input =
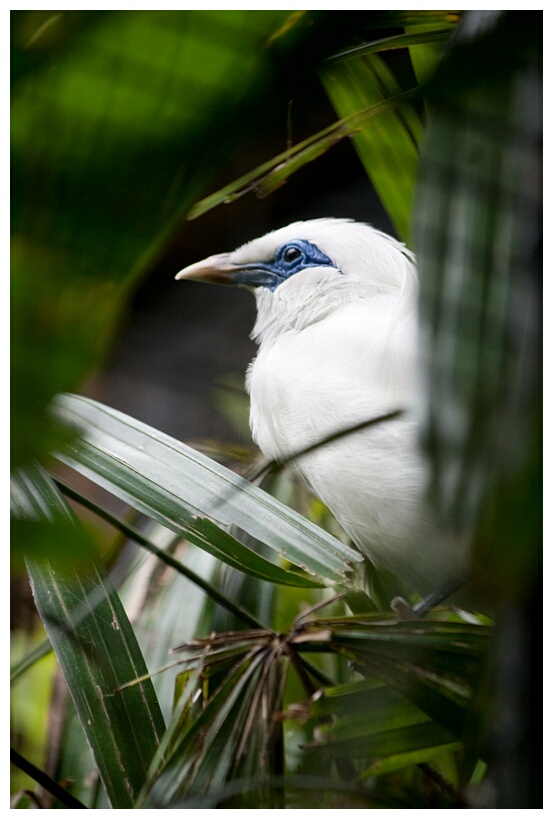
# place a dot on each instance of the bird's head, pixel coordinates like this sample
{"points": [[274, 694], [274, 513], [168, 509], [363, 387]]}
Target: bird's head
{"points": [[300, 272]]}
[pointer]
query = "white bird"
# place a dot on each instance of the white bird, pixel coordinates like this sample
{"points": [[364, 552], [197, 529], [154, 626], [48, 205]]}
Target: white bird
{"points": [[337, 333]]}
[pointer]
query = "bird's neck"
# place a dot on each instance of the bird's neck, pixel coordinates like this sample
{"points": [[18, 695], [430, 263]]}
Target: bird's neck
{"points": [[285, 310]]}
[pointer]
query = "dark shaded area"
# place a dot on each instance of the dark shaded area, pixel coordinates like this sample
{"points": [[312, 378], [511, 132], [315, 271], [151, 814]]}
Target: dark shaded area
{"points": [[120, 122], [180, 338]]}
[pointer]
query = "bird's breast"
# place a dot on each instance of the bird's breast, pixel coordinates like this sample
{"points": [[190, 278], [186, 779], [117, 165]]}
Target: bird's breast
{"points": [[332, 375]]}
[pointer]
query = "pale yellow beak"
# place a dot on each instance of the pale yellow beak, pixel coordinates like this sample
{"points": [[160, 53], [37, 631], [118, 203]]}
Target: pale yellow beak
{"points": [[215, 270]]}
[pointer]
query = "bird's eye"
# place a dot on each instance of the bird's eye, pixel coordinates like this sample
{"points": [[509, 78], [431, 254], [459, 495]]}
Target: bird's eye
{"points": [[291, 254]]}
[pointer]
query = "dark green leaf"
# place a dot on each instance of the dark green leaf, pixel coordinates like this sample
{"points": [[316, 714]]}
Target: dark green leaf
{"points": [[221, 737], [434, 665], [425, 737], [43, 526], [97, 652], [478, 235]]}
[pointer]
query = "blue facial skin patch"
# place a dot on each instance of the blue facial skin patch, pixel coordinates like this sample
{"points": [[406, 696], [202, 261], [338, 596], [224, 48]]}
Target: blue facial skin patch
{"points": [[289, 259]]}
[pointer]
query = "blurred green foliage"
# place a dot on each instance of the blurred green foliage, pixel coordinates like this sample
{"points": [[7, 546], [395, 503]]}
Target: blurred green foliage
{"points": [[119, 120], [119, 123]]}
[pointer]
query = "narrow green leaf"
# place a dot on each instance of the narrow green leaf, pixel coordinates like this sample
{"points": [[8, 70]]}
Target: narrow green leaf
{"points": [[418, 737], [234, 733], [33, 496], [426, 46], [388, 147], [424, 743], [227, 548], [416, 35], [269, 176], [202, 738], [432, 664], [374, 720], [162, 554], [97, 652], [397, 713], [353, 698], [432, 694], [181, 488]]}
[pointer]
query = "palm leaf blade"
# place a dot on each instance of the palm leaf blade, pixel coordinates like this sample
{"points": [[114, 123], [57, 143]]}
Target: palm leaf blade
{"points": [[180, 488], [97, 652]]}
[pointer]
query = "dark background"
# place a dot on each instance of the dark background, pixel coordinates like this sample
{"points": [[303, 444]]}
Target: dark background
{"points": [[180, 338]]}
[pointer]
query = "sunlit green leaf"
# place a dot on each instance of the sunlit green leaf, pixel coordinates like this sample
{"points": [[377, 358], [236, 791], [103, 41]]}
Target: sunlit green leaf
{"points": [[388, 147]]}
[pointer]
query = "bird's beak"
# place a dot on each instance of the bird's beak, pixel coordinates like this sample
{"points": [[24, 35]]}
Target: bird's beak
{"points": [[215, 270], [220, 270]]}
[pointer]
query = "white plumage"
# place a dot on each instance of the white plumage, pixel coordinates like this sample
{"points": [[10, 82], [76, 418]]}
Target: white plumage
{"points": [[337, 333]]}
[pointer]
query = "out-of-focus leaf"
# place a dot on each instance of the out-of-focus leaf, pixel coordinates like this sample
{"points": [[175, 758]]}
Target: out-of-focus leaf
{"points": [[194, 496], [406, 19], [65, 543], [425, 743], [416, 35], [394, 749], [388, 144], [34, 497], [118, 121], [43, 527], [426, 46], [29, 702], [373, 720], [71, 755], [478, 240], [479, 237]]}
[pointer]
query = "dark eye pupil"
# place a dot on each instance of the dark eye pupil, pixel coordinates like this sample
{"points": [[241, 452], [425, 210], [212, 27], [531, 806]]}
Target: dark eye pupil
{"points": [[291, 254]]}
